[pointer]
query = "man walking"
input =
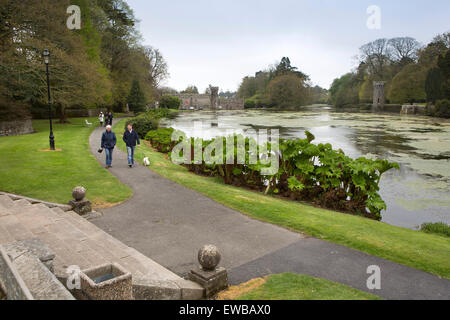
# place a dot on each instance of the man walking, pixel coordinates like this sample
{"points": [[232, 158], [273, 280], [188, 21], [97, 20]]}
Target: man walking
{"points": [[108, 143], [131, 139]]}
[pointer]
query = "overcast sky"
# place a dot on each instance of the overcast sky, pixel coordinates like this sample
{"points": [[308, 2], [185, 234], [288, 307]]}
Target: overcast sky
{"points": [[220, 42]]}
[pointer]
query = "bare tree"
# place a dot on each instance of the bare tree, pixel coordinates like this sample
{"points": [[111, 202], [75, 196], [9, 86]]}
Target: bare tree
{"points": [[404, 48], [158, 66], [377, 55]]}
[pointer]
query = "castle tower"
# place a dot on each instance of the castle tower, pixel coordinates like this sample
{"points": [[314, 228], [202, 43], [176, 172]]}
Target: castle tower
{"points": [[378, 96], [214, 96]]}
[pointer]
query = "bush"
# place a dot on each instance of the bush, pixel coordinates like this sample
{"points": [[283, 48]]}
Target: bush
{"points": [[316, 173], [443, 108], [440, 228], [149, 120], [440, 109], [161, 139], [249, 103], [143, 124], [169, 102]]}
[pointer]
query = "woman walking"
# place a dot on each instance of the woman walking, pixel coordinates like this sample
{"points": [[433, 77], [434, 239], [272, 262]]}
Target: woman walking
{"points": [[101, 118], [108, 143]]}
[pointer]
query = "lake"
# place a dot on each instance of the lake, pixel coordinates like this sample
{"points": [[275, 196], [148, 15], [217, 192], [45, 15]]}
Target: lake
{"points": [[419, 192]]}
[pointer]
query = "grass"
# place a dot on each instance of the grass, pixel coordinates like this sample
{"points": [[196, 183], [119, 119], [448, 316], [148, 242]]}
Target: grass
{"points": [[427, 252], [51, 176], [440, 228], [288, 286]]}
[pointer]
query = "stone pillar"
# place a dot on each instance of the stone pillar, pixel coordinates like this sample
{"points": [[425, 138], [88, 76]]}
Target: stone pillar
{"points": [[378, 96], [208, 275], [80, 205]]}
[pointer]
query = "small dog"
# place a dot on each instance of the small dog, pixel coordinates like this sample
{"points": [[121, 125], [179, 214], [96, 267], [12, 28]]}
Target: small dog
{"points": [[146, 162]]}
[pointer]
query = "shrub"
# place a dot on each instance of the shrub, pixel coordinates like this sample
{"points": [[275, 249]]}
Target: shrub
{"points": [[440, 228], [169, 102], [249, 103], [442, 108], [161, 139], [143, 124], [316, 173], [149, 120]]}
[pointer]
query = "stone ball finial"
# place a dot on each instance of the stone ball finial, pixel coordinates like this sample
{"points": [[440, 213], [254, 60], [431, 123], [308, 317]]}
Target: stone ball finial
{"points": [[78, 193], [209, 257]]}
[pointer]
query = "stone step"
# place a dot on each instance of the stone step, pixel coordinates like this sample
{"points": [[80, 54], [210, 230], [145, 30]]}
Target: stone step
{"points": [[19, 206], [77, 242], [39, 280], [6, 202]]}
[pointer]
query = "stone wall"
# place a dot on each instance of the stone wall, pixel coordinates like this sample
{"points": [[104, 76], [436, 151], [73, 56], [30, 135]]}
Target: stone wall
{"points": [[412, 109], [10, 281], [15, 127], [195, 100], [231, 104], [203, 101]]}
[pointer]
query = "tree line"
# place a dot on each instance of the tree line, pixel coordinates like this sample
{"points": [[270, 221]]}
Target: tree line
{"points": [[282, 86], [104, 64], [413, 73]]}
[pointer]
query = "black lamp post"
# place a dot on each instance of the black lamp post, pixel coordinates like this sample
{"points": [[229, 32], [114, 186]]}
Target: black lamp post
{"points": [[46, 55]]}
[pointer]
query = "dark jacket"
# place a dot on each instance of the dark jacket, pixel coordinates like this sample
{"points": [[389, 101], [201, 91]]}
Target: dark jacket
{"points": [[109, 118], [131, 139], [108, 140]]}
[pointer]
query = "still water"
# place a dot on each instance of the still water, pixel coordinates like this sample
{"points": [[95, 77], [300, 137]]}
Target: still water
{"points": [[419, 192]]}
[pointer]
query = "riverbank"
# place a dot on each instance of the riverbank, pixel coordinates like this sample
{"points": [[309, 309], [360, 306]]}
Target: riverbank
{"points": [[427, 252]]}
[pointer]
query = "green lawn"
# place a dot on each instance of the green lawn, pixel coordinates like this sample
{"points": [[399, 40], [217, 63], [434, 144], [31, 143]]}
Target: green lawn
{"points": [[427, 252], [288, 286], [51, 176]]}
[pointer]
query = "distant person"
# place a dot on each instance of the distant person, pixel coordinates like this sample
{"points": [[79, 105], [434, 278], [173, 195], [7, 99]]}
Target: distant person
{"points": [[110, 118], [101, 118], [108, 143], [131, 139]]}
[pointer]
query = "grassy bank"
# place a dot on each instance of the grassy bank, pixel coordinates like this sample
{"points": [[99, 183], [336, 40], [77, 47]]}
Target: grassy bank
{"points": [[51, 176], [288, 286], [419, 250]]}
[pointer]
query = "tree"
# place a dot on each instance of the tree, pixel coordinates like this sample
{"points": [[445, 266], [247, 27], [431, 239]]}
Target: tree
{"points": [[404, 48], [169, 102], [434, 85], [444, 66], [285, 67], [27, 29], [191, 90], [429, 55], [408, 85], [136, 99], [287, 91], [158, 66], [344, 91], [377, 55]]}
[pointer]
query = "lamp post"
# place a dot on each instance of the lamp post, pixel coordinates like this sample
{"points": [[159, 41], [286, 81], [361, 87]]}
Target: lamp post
{"points": [[46, 56]]}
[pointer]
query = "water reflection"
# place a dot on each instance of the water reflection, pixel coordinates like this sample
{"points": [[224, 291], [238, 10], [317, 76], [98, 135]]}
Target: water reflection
{"points": [[418, 192]]}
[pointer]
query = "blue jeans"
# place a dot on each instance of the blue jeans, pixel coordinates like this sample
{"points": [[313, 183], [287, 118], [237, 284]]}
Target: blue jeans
{"points": [[108, 153], [130, 151]]}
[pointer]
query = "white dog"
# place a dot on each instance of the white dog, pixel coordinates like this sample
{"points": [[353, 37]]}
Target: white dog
{"points": [[146, 162]]}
